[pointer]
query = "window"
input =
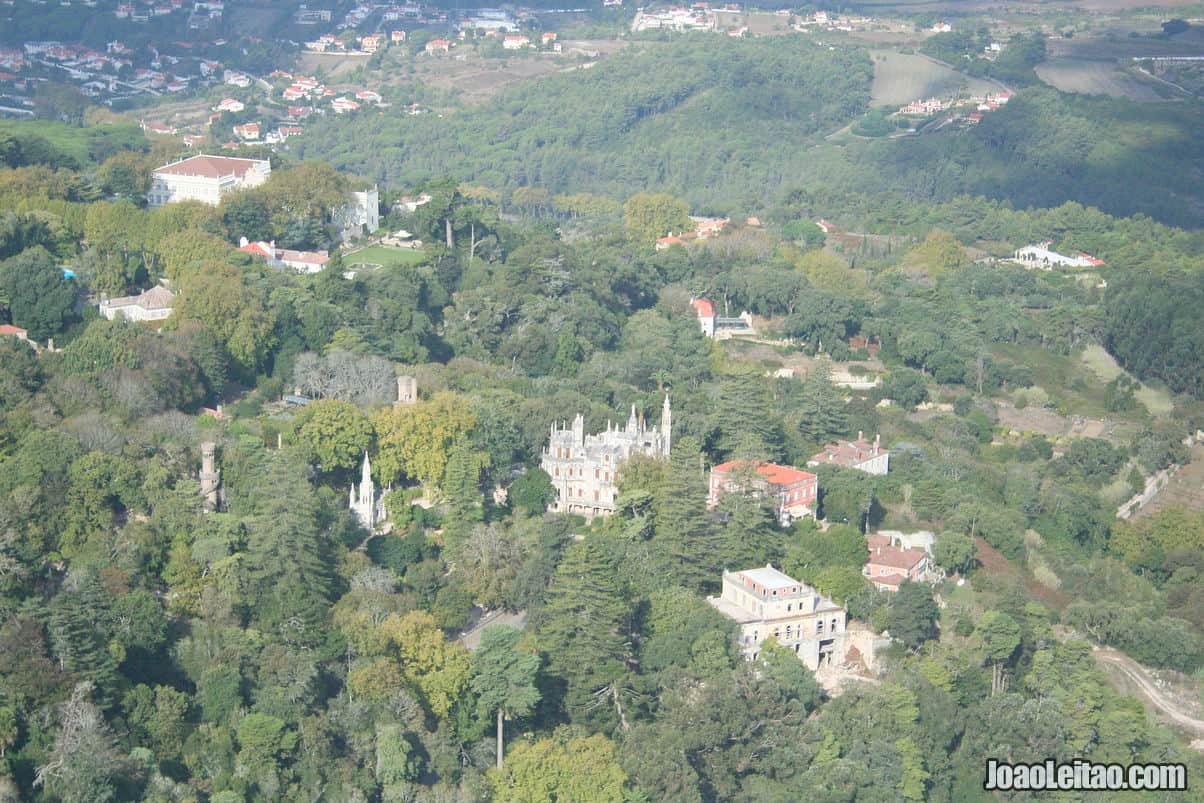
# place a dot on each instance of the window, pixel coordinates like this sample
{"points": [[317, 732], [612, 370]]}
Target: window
{"points": [[819, 626]]}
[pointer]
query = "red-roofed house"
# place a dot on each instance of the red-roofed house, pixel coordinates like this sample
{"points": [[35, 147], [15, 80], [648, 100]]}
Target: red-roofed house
{"points": [[205, 178], [794, 489], [438, 46], [373, 42], [889, 564], [368, 96], [706, 315], [397, 37], [342, 105], [300, 261], [9, 330], [859, 454], [515, 42], [158, 128], [248, 131]]}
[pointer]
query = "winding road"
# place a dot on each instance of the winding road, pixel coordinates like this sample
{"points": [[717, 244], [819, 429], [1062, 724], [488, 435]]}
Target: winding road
{"points": [[1136, 673]]}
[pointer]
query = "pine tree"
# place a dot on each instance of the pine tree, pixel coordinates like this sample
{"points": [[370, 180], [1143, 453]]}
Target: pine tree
{"points": [[821, 405], [462, 488], [504, 678], [684, 535], [78, 638], [288, 561], [584, 630], [750, 534], [744, 419]]}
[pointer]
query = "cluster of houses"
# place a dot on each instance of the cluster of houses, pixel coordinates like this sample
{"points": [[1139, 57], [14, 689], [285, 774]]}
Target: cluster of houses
{"points": [[698, 17], [119, 71], [831, 21], [981, 104], [704, 229]]}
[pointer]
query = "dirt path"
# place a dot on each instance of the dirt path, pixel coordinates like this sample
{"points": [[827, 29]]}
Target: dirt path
{"points": [[1149, 690]]}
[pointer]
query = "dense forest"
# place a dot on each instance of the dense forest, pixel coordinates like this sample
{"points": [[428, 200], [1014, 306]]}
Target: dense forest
{"points": [[158, 643], [730, 125], [710, 120]]}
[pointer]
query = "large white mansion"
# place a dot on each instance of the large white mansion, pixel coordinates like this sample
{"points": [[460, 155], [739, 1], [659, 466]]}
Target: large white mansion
{"points": [[205, 179], [765, 602], [583, 467]]}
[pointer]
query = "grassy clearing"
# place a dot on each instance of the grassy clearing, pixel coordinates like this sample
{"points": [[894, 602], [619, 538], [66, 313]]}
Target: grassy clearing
{"points": [[1156, 399], [78, 143], [1073, 387], [384, 255]]}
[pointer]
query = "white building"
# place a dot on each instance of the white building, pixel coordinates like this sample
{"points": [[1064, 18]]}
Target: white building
{"points": [[769, 604], [205, 179], [300, 261], [1041, 256], [361, 214], [584, 468], [859, 454], [151, 305]]}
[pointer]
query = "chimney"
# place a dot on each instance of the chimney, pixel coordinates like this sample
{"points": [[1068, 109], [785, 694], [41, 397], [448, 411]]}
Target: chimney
{"points": [[860, 435], [243, 242]]}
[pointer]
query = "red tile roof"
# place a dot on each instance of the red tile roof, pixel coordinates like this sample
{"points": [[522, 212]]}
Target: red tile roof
{"points": [[896, 558], [9, 329], [773, 473], [704, 307], [208, 166]]}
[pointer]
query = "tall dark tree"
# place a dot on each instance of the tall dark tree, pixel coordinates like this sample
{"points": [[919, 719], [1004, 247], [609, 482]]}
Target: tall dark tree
{"points": [[749, 533], [289, 565], [746, 427], [39, 297], [821, 406], [585, 626], [913, 614], [504, 678], [684, 535]]}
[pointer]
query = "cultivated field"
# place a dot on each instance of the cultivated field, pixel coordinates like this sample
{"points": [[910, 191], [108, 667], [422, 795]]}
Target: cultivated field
{"points": [[1096, 78], [899, 78]]}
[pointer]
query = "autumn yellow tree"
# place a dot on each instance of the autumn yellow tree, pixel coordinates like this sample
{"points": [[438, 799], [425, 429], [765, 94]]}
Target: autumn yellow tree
{"points": [[416, 439], [649, 215], [235, 313]]}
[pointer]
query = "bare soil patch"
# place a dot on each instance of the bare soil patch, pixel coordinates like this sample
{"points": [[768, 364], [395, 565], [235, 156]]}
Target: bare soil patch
{"points": [[995, 564]]}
